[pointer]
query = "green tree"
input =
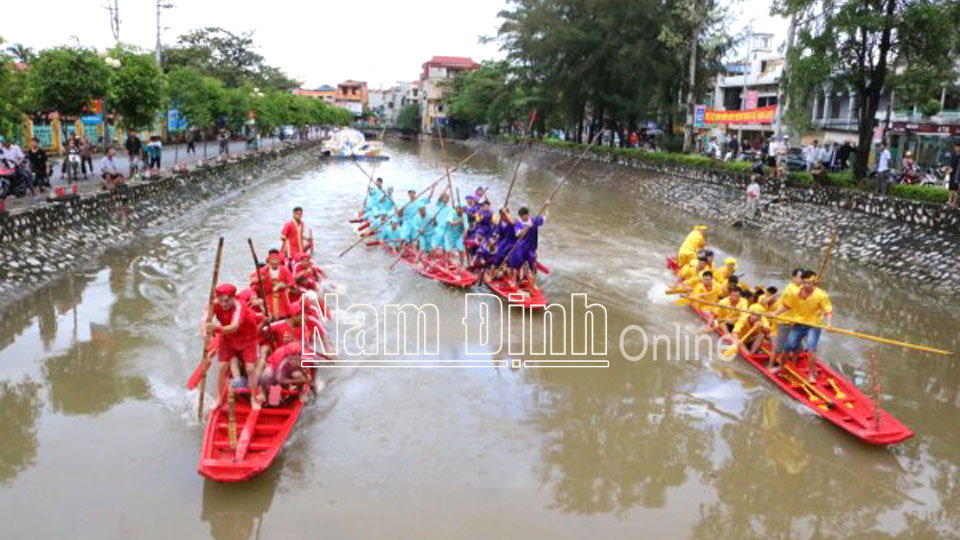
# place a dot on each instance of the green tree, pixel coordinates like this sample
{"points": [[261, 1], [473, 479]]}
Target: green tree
{"points": [[136, 89], [67, 79], [229, 57], [408, 118], [869, 46], [198, 98], [486, 96], [12, 103]]}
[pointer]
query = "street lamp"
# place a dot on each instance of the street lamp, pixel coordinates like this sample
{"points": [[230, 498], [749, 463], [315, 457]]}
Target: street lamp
{"points": [[113, 63]]}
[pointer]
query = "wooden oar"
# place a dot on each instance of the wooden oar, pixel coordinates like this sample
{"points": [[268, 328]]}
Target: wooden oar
{"points": [[735, 346], [263, 293], [861, 335], [422, 192], [827, 255], [526, 147], [205, 361], [543, 207], [247, 434], [231, 417], [370, 176]]}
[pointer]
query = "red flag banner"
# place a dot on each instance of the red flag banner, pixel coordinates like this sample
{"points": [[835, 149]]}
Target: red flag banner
{"points": [[763, 115]]}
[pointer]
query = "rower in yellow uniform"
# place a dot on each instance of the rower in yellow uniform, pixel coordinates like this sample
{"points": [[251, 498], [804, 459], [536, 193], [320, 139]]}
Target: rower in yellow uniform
{"points": [[782, 329], [752, 330], [728, 317], [723, 273], [695, 268], [694, 242], [707, 290], [809, 305]]}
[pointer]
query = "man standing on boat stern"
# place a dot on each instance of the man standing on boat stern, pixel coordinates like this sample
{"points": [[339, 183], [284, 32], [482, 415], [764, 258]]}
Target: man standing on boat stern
{"points": [[807, 305], [694, 242], [292, 236]]}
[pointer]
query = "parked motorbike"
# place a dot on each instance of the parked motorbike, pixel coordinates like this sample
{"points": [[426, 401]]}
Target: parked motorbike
{"points": [[12, 182]]}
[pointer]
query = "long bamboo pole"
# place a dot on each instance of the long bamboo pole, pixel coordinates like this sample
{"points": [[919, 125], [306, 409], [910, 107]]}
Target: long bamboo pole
{"points": [[861, 335], [206, 339]]}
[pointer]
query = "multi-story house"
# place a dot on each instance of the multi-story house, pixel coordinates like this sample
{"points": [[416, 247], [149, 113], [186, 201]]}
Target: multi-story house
{"points": [[435, 85]]}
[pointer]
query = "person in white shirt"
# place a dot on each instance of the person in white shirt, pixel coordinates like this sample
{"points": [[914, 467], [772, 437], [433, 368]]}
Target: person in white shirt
{"points": [[811, 154], [883, 169], [12, 153], [753, 197], [109, 170]]}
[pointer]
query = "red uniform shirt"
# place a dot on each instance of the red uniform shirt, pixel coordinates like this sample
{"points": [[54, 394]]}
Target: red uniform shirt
{"points": [[293, 244], [246, 333], [278, 302]]}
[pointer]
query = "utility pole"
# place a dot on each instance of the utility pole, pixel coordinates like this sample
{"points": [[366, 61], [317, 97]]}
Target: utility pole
{"points": [[691, 86], [114, 9], [161, 5]]}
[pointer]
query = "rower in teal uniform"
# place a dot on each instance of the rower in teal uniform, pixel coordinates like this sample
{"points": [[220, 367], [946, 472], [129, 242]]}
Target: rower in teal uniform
{"points": [[453, 235], [410, 211], [444, 214], [421, 229], [391, 234], [373, 199]]}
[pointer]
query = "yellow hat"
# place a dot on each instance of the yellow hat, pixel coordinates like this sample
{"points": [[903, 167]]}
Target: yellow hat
{"points": [[700, 228], [730, 260]]}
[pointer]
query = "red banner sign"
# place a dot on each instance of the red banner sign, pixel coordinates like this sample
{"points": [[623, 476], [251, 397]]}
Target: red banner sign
{"points": [[763, 115]]}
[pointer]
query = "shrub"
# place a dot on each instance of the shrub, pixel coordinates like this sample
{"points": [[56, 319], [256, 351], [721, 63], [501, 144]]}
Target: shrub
{"points": [[932, 194]]}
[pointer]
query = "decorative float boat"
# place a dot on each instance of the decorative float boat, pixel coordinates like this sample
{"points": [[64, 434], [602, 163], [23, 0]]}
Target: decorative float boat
{"points": [[831, 397], [351, 144]]}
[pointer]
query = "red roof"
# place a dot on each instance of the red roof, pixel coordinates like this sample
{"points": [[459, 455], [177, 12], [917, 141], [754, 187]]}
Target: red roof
{"points": [[455, 62]]}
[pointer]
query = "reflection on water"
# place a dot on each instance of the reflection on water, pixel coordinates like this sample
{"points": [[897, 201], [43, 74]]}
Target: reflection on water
{"points": [[703, 449], [19, 410]]}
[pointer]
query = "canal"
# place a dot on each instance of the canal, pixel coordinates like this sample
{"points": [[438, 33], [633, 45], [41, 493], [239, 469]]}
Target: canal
{"points": [[99, 438]]}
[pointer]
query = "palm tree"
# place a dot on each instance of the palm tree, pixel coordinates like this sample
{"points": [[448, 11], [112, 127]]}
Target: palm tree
{"points": [[21, 52]]}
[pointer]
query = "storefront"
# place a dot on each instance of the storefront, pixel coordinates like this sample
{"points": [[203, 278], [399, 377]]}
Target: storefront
{"points": [[930, 143]]}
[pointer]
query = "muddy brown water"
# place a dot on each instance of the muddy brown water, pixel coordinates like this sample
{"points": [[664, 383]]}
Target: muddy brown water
{"points": [[98, 437]]}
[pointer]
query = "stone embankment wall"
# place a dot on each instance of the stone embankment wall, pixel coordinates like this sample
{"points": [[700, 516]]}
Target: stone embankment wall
{"points": [[919, 242], [41, 243]]}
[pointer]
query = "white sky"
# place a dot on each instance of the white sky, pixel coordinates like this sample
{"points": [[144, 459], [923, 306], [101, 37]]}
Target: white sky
{"points": [[318, 42]]}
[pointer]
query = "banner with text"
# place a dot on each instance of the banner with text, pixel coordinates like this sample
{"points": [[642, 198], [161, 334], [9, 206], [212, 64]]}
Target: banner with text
{"points": [[763, 115]]}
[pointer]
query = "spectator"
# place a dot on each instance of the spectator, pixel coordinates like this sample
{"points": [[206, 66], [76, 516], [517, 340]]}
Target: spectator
{"points": [[819, 173], [753, 197], [909, 173], [811, 154], [827, 154], [223, 137], [39, 164], [843, 155], [110, 171], [883, 169], [134, 147], [154, 150], [13, 156], [953, 181], [192, 140], [86, 156]]}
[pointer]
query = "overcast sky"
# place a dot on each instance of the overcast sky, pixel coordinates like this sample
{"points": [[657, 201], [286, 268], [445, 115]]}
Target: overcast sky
{"points": [[318, 42]]}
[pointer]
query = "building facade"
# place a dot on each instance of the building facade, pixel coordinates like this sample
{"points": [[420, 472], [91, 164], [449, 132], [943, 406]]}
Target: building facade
{"points": [[750, 82], [434, 86]]}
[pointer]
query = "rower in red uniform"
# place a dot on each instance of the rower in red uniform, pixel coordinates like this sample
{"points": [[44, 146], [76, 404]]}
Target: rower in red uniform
{"points": [[283, 368], [238, 326], [294, 242], [276, 282]]}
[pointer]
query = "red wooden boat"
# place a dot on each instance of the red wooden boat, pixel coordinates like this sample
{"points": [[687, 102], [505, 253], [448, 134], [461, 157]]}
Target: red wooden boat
{"points": [[261, 434], [529, 296], [430, 266], [832, 397]]}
